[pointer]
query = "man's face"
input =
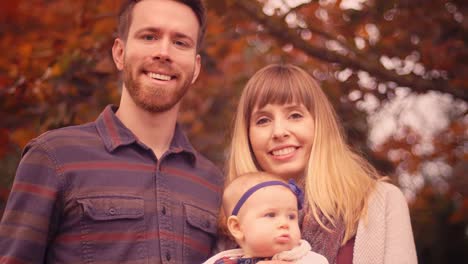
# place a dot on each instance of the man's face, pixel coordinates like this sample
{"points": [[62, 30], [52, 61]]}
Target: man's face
{"points": [[159, 58]]}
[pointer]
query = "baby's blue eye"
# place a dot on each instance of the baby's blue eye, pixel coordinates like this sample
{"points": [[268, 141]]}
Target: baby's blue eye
{"points": [[270, 215]]}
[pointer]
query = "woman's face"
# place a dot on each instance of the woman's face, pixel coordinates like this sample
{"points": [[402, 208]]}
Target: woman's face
{"points": [[281, 137]]}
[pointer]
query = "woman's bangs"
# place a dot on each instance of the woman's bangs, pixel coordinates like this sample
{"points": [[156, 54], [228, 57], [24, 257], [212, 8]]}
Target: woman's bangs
{"points": [[280, 90]]}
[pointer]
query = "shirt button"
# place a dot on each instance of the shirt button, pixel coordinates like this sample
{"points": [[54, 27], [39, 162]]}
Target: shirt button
{"points": [[207, 224], [164, 210], [168, 256], [112, 211]]}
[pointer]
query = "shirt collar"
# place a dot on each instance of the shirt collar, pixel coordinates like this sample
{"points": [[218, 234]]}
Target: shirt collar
{"points": [[112, 131], [115, 134]]}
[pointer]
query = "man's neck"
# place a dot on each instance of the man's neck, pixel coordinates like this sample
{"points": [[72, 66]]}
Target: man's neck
{"points": [[155, 130]]}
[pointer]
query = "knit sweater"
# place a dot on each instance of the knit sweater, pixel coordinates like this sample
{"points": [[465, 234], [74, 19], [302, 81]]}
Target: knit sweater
{"points": [[385, 236]]}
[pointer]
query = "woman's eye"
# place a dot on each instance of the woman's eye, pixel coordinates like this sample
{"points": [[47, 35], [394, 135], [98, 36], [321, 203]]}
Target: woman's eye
{"points": [[296, 115], [261, 121]]}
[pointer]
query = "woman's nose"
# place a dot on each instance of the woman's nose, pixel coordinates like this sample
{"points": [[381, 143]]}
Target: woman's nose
{"points": [[280, 130]]}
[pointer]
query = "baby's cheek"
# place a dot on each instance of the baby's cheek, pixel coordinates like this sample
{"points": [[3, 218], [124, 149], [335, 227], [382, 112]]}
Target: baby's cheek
{"points": [[263, 248]]}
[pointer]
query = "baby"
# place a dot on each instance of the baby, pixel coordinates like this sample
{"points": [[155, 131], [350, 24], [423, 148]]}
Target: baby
{"points": [[262, 216]]}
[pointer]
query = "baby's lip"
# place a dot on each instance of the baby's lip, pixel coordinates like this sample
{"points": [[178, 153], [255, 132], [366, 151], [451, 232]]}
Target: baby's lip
{"points": [[283, 238]]}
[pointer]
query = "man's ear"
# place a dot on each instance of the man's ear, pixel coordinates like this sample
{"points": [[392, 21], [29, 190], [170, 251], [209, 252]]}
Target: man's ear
{"points": [[233, 224], [118, 53], [196, 71]]}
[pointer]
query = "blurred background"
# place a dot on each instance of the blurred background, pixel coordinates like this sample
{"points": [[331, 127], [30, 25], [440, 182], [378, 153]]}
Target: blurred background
{"points": [[395, 70]]}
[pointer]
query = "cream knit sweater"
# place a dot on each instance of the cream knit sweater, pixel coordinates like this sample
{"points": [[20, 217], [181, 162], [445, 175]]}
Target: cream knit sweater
{"points": [[385, 236]]}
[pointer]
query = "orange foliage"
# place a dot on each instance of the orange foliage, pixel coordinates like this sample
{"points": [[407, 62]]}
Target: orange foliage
{"points": [[56, 70]]}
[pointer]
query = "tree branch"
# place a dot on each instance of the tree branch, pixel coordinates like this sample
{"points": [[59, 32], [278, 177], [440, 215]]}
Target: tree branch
{"points": [[293, 9], [282, 32]]}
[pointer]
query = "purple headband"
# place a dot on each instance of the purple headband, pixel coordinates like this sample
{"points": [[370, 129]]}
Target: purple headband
{"points": [[290, 185]]}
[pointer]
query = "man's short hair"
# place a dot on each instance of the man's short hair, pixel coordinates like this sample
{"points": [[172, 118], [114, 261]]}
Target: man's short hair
{"points": [[126, 11]]}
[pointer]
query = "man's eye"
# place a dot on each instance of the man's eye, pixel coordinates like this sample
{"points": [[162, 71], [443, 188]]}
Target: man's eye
{"points": [[149, 37], [180, 43]]}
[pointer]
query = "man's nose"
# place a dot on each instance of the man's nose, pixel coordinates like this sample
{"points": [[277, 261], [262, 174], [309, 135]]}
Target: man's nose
{"points": [[162, 51]]}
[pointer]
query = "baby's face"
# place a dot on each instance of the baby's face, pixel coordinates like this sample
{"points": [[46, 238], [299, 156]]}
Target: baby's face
{"points": [[269, 222]]}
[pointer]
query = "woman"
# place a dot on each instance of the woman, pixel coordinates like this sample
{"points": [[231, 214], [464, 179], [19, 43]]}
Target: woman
{"points": [[285, 125]]}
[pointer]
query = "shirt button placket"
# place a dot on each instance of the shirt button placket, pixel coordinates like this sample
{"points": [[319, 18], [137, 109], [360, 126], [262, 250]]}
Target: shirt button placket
{"points": [[168, 247]]}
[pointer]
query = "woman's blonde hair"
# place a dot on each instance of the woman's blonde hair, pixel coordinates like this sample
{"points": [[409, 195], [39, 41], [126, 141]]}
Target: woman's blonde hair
{"points": [[337, 181]]}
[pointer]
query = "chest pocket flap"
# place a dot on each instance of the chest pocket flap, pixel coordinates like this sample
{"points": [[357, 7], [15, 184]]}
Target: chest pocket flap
{"points": [[102, 208], [201, 219]]}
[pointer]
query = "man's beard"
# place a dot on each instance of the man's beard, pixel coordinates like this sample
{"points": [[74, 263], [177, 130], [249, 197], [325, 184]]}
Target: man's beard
{"points": [[152, 98]]}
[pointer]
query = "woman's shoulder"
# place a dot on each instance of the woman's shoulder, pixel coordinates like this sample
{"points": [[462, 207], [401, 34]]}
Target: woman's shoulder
{"points": [[386, 192], [385, 186]]}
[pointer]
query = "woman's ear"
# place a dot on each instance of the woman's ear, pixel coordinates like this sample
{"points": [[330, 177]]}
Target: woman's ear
{"points": [[234, 227]]}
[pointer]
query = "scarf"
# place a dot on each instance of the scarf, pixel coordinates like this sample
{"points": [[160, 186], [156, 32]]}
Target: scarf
{"points": [[322, 241]]}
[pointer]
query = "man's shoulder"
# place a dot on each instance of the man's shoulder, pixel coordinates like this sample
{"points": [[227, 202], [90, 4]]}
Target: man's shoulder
{"points": [[206, 164], [203, 160], [84, 130], [205, 168], [64, 136]]}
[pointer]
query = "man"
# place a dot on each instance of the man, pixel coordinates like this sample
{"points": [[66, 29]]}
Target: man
{"points": [[129, 187]]}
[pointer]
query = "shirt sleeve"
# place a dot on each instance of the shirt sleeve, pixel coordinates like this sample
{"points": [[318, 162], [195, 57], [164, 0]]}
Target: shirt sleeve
{"points": [[31, 215], [399, 241]]}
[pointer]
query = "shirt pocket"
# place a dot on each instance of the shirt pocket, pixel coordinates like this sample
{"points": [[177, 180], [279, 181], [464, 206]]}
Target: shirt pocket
{"points": [[113, 228], [112, 208], [199, 233]]}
